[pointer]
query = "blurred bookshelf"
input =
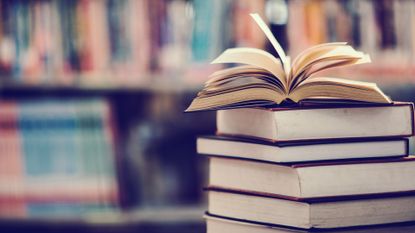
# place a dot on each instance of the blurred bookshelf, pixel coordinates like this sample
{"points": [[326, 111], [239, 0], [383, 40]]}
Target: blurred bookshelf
{"points": [[130, 68], [118, 44], [157, 220]]}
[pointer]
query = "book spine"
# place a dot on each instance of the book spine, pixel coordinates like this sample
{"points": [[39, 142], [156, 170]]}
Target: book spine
{"points": [[11, 170], [56, 157]]}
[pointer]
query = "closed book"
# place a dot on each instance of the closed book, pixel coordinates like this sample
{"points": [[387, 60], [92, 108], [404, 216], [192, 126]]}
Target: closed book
{"points": [[216, 224], [319, 122], [290, 152], [314, 180], [324, 213]]}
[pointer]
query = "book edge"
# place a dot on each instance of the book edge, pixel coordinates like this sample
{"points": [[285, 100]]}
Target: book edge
{"points": [[268, 142], [330, 106], [233, 220], [311, 200], [305, 164]]}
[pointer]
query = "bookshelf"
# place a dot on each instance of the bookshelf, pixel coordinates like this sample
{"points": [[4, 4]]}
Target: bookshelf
{"points": [[157, 46], [147, 59], [102, 88], [186, 219], [382, 29]]}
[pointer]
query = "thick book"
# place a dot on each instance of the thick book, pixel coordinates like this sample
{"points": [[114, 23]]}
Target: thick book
{"points": [[220, 224], [303, 181], [312, 214], [291, 152], [318, 122], [266, 80]]}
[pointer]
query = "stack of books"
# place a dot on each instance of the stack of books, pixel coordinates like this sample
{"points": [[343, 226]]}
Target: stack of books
{"points": [[300, 153], [306, 168]]}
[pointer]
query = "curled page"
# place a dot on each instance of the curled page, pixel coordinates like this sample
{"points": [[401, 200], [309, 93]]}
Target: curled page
{"points": [[254, 57], [284, 59]]}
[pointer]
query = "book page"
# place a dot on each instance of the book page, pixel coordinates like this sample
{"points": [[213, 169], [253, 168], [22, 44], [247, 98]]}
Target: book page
{"points": [[322, 53], [238, 98], [344, 54], [254, 57], [274, 42], [242, 72], [341, 62], [310, 54], [339, 88], [235, 71], [236, 83], [319, 66]]}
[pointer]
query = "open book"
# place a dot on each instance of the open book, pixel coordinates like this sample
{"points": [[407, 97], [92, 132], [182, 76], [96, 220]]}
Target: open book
{"points": [[265, 80]]}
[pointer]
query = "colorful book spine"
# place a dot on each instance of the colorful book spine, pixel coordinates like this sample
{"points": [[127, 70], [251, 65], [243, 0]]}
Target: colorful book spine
{"points": [[127, 42], [11, 162], [56, 157]]}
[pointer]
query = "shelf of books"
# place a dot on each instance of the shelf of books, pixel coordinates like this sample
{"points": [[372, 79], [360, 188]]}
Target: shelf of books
{"points": [[383, 29], [122, 43], [115, 44], [67, 161], [156, 220], [56, 157]]}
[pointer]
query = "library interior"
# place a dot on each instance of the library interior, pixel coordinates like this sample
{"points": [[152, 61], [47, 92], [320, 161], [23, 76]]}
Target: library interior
{"points": [[94, 136]]}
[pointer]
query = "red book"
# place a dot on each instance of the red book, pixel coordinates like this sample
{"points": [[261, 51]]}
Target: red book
{"points": [[11, 162], [318, 122]]}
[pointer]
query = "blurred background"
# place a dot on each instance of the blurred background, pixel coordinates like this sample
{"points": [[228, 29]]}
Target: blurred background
{"points": [[93, 137]]}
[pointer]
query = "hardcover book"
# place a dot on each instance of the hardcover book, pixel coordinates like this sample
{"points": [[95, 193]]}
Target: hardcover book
{"points": [[312, 214], [316, 123], [220, 224], [299, 152], [303, 181]]}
